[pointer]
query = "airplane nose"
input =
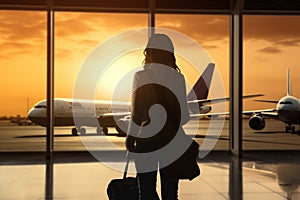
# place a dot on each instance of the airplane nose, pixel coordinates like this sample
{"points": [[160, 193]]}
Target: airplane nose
{"points": [[29, 115], [37, 116]]}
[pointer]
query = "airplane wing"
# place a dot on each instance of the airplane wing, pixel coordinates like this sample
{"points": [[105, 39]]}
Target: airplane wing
{"points": [[218, 100], [271, 113], [266, 101], [264, 111], [209, 115], [116, 114]]}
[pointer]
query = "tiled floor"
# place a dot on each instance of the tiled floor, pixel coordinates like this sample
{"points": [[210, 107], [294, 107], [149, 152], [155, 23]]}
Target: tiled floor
{"points": [[76, 176]]}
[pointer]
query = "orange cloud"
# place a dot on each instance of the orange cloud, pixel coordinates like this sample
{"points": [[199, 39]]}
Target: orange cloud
{"points": [[270, 49], [272, 28]]}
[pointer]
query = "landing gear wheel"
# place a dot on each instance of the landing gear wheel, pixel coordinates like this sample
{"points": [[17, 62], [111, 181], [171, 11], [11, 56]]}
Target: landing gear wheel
{"points": [[82, 131], [287, 128], [99, 131], [293, 129], [74, 132], [105, 130]]}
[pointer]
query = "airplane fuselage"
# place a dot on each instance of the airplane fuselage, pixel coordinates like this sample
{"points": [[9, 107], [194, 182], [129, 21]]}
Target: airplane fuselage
{"points": [[66, 109], [103, 114]]}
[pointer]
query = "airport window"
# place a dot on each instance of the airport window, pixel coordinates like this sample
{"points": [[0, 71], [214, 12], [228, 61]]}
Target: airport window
{"points": [[211, 32], [270, 50], [23, 77], [271, 44], [77, 35]]}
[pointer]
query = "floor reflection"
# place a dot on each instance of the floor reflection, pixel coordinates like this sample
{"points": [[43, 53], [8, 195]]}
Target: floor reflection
{"points": [[246, 180], [49, 179], [79, 176], [288, 178], [236, 179], [285, 175]]}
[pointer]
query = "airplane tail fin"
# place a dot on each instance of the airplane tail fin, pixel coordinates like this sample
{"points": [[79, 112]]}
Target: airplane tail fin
{"points": [[201, 87], [289, 85]]}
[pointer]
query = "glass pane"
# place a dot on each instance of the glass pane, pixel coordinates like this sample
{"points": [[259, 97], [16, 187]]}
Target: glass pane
{"points": [[78, 36], [23, 78], [271, 46], [211, 33]]}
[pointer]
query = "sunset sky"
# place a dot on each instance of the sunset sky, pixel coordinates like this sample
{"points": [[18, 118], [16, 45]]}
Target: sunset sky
{"points": [[271, 46]]}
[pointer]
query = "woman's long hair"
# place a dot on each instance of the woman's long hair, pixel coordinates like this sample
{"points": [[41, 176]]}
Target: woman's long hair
{"points": [[161, 57]]}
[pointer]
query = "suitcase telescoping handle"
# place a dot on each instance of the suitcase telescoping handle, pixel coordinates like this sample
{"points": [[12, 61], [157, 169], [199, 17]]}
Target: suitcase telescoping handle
{"points": [[126, 169], [129, 157]]}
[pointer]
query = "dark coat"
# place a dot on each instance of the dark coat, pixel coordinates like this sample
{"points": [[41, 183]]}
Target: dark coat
{"points": [[157, 85]]}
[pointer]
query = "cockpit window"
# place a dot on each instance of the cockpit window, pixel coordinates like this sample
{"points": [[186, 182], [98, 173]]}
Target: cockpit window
{"points": [[40, 106], [285, 102]]}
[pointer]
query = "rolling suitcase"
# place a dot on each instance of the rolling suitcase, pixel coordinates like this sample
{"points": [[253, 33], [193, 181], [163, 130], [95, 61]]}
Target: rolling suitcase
{"points": [[123, 189]]}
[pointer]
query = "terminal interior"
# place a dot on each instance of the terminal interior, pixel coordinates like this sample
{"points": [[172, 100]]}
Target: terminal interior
{"points": [[49, 163]]}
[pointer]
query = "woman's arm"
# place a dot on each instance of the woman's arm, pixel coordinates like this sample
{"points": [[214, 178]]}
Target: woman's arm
{"points": [[185, 114], [137, 113]]}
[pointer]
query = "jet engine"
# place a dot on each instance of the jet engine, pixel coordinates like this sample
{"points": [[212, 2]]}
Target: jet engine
{"points": [[199, 108], [256, 122], [205, 109], [122, 125]]}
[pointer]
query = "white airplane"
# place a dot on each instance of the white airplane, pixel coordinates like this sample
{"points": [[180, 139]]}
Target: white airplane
{"points": [[107, 112], [287, 111]]}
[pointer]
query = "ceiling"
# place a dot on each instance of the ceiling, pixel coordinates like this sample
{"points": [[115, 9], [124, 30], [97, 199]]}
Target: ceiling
{"points": [[160, 6]]}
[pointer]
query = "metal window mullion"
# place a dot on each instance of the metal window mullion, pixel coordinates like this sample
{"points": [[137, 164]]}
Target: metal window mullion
{"points": [[151, 18], [236, 78], [50, 79]]}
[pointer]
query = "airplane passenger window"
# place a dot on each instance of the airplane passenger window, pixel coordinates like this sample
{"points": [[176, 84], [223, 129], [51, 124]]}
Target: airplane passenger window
{"points": [[40, 106]]}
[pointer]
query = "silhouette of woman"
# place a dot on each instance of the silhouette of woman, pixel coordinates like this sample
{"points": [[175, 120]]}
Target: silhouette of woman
{"points": [[151, 88]]}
